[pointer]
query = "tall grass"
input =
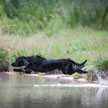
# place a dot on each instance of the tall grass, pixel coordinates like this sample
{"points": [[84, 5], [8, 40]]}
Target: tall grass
{"points": [[78, 44], [4, 63], [54, 29]]}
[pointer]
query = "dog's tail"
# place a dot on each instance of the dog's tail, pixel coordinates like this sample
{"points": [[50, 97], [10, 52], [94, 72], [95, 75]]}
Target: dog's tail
{"points": [[82, 64], [77, 64]]}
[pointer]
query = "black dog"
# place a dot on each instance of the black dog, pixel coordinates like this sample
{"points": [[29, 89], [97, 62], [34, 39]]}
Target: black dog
{"points": [[40, 64]]}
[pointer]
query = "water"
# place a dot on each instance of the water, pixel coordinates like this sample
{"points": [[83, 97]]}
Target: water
{"points": [[22, 91], [102, 76]]}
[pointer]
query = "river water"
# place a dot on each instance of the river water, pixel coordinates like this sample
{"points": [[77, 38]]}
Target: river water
{"points": [[23, 91]]}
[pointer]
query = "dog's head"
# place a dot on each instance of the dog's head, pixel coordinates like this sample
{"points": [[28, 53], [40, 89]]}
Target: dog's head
{"points": [[20, 61]]}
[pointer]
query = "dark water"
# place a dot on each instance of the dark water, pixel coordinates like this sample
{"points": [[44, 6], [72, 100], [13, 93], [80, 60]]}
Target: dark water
{"points": [[18, 91]]}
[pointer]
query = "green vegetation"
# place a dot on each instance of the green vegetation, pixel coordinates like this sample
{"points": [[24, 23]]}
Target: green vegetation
{"points": [[75, 29], [4, 64], [78, 44], [76, 75], [31, 16]]}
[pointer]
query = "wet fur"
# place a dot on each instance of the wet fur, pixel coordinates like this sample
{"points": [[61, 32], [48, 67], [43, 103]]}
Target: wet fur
{"points": [[40, 64]]}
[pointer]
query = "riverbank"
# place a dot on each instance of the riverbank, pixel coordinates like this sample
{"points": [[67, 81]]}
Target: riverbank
{"points": [[94, 75], [60, 80], [58, 77]]}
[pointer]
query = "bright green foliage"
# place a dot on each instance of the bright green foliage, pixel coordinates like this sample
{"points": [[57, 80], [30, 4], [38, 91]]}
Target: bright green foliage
{"points": [[31, 16], [76, 75]]}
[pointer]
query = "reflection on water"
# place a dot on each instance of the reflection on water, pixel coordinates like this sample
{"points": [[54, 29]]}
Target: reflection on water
{"points": [[18, 91]]}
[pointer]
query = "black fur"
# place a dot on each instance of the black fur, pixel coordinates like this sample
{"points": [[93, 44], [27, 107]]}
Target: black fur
{"points": [[30, 63], [67, 66], [40, 64]]}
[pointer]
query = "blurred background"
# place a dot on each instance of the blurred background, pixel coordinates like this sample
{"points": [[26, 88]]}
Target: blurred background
{"points": [[76, 29]]}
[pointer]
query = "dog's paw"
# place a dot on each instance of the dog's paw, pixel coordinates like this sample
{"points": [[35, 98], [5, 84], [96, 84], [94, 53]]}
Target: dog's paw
{"points": [[17, 70]]}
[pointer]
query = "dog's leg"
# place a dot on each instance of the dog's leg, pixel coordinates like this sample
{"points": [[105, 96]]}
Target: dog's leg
{"points": [[68, 69], [79, 71], [18, 70], [27, 71]]}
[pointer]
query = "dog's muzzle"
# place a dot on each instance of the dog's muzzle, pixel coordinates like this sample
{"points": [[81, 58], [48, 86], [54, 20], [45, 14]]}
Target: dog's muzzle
{"points": [[13, 64]]}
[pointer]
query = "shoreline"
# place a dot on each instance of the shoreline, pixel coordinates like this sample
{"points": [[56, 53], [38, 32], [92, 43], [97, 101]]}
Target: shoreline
{"points": [[62, 77], [55, 76]]}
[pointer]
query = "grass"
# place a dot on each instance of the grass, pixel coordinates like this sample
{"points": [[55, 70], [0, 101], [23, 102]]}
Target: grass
{"points": [[78, 44], [76, 75], [54, 29], [4, 65]]}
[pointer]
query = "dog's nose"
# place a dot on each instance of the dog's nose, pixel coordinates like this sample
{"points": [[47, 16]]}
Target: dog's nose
{"points": [[12, 64]]}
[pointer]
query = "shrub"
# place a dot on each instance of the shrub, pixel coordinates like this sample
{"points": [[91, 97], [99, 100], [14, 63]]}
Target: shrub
{"points": [[77, 75], [4, 63]]}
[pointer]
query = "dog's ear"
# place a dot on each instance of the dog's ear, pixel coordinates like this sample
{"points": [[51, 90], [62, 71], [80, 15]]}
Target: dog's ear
{"points": [[26, 63]]}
